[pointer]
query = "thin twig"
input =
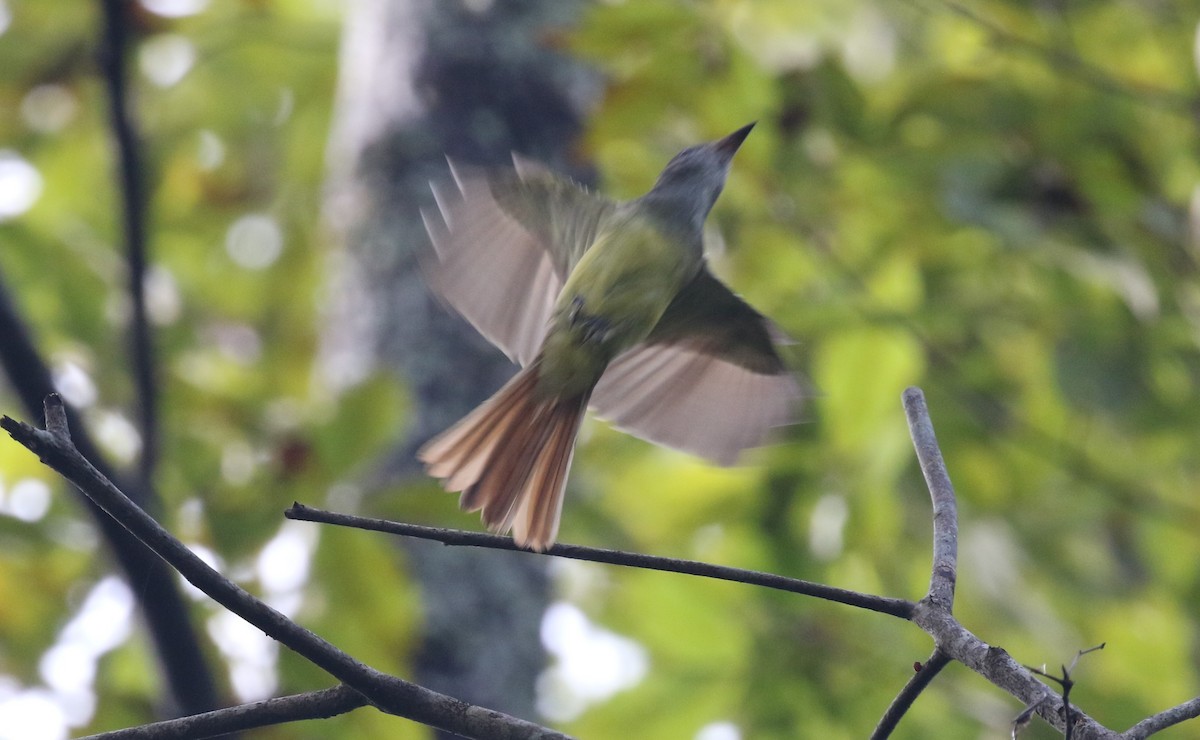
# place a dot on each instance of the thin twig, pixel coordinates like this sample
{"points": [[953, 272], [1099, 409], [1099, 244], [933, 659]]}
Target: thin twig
{"points": [[1068, 684], [388, 693], [298, 707], [133, 213], [922, 677], [945, 509], [459, 538]]}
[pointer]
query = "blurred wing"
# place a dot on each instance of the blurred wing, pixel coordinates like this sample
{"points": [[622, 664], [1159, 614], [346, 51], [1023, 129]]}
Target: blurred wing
{"points": [[707, 380], [504, 244], [563, 215], [709, 317]]}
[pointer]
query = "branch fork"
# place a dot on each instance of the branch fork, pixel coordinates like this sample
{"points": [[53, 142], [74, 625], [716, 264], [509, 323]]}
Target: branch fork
{"points": [[390, 694], [362, 685]]}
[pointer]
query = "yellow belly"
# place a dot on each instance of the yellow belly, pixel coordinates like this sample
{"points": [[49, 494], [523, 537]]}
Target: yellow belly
{"points": [[612, 299]]}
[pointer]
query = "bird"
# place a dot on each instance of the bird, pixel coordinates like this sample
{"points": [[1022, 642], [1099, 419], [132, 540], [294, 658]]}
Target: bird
{"points": [[605, 304]]}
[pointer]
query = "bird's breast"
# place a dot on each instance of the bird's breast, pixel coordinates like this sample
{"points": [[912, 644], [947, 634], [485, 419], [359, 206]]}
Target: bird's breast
{"points": [[612, 299], [628, 277]]}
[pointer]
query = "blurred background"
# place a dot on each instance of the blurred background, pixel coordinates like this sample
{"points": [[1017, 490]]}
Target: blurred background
{"points": [[997, 201]]}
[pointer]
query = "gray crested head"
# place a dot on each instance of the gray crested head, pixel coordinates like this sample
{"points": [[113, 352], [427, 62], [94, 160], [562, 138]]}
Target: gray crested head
{"points": [[689, 185]]}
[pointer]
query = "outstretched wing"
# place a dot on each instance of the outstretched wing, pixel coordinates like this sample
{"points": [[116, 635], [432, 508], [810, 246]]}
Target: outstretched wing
{"points": [[504, 243], [708, 380]]}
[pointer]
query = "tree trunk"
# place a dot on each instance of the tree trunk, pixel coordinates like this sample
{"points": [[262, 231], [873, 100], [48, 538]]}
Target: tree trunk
{"points": [[419, 81]]}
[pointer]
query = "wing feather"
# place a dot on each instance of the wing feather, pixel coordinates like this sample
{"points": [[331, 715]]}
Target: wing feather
{"points": [[503, 245], [678, 396], [708, 380]]}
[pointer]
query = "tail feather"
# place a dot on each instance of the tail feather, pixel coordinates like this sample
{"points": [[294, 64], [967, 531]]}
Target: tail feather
{"points": [[536, 522], [459, 454], [510, 458], [503, 486]]}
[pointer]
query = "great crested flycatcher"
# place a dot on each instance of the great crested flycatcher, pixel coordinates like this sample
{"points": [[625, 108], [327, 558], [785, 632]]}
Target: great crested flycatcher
{"points": [[603, 303]]}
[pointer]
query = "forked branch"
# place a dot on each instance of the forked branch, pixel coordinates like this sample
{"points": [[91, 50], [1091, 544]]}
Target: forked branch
{"points": [[363, 684], [388, 693], [934, 613]]}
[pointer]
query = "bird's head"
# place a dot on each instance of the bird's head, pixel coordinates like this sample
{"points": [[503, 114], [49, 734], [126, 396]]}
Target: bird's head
{"points": [[697, 174]]}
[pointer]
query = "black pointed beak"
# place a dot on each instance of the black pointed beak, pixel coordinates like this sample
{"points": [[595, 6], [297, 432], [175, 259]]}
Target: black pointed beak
{"points": [[730, 144]]}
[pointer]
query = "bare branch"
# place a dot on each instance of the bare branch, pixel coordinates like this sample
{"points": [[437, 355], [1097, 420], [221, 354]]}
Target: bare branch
{"points": [[933, 613], [945, 508], [922, 677], [388, 693], [456, 537], [993, 663], [1161, 721], [311, 705], [133, 214]]}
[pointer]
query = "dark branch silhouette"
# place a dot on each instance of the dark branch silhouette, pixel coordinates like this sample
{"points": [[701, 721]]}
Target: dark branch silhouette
{"points": [[321, 704], [456, 537], [923, 675], [133, 216], [187, 671], [388, 693]]}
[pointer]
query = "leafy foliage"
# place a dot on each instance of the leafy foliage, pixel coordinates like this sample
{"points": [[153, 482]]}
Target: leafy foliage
{"points": [[992, 203]]}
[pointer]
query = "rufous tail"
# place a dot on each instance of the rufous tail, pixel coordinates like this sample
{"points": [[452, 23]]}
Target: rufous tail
{"points": [[510, 458]]}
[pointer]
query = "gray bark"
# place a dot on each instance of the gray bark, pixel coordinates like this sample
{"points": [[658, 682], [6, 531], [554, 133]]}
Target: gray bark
{"points": [[420, 81]]}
